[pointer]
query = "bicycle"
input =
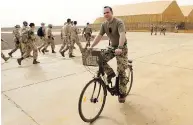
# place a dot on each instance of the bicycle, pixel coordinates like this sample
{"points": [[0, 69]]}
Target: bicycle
{"points": [[95, 59]]}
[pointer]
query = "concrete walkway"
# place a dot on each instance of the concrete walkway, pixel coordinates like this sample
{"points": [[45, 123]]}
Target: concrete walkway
{"points": [[48, 93]]}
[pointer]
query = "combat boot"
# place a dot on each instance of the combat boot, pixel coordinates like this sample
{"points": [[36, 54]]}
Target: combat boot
{"points": [[62, 53], [10, 54], [43, 51], [53, 51], [35, 61], [71, 56], [39, 49], [6, 58], [19, 60], [121, 98], [110, 76]]}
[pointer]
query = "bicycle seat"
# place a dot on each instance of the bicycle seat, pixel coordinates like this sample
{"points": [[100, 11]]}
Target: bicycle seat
{"points": [[96, 52], [130, 61]]}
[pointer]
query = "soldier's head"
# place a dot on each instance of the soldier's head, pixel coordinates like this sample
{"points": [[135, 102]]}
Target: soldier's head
{"points": [[25, 23], [17, 26], [42, 24], [50, 25], [68, 21], [108, 13], [87, 24], [75, 22], [72, 22], [32, 26]]}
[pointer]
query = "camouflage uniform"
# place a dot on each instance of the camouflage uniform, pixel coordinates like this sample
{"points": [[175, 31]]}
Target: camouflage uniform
{"points": [[66, 37], [24, 38], [164, 30], [151, 28], [88, 31], [42, 39], [117, 27], [155, 29], [161, 29], [16, 39], [30, 45], [2, 55], [49, 40], [75, 38]]}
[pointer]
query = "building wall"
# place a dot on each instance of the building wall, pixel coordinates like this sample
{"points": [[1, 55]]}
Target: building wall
{"points": [[170, 17], [190, 17], [173, 14]]}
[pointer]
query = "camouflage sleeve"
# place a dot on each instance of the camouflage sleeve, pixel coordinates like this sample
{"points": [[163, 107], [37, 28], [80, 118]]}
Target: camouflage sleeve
{"points": [[49, 33], [44, 31], [91, 30], [83, 30], [17, 34], [76, 30], [61, 33], [2, 40], [31, 35], [68, 31]]}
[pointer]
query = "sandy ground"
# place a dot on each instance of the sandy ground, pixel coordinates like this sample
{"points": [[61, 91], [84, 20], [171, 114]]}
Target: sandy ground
{"points": [[48, 93]]}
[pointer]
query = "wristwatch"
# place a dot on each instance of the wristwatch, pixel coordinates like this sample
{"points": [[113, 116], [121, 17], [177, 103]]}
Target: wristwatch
{"points": [[120, 47]]}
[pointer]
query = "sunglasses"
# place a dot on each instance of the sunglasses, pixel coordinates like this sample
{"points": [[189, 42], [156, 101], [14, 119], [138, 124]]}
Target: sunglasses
{"points": [[110, 30]]}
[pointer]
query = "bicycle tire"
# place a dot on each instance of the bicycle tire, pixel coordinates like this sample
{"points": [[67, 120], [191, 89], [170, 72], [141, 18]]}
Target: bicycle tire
{"points": [[131, 82], [81, 98]]}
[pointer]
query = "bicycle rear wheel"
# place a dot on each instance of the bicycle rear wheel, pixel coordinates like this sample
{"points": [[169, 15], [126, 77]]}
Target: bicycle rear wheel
{"points": [[98, 88]]}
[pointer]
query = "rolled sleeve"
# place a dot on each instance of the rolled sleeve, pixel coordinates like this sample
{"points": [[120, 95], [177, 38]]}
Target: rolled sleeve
{"points": [[121, 27], [102, 30]]}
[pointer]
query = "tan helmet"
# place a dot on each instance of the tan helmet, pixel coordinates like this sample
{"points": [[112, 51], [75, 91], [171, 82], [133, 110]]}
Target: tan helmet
{"points": [[17, 26], [42, 23], [50, 25]]}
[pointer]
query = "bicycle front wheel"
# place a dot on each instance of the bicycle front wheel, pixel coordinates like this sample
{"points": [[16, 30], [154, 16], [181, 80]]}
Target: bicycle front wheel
{"points": [[129, 74], [92, 100]]}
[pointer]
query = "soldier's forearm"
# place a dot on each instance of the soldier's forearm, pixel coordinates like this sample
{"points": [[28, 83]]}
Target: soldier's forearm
{"points": [[96, 40], [122, 39]]}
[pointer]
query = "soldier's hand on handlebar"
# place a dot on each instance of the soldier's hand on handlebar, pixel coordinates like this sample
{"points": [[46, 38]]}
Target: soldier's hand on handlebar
{"points": [[118, 51]]}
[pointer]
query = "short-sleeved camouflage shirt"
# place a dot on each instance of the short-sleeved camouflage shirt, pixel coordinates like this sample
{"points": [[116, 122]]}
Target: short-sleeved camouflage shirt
{"points": [[113, 30]]}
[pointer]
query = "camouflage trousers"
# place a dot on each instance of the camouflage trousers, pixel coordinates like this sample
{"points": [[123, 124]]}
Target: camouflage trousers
{"points": [[151, 32], [17, 46], [122, 64], [3, 56], [88, 38], [48, 42], [25, 48], [77, 41], [43, 41], [67, 44], [30, 47]]}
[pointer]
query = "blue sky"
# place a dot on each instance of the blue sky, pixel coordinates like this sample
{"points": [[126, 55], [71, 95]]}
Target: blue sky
{"points": [[56, 12]]}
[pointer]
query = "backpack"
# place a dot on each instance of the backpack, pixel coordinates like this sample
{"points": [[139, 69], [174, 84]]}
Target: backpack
{"points": [[40, 32]]}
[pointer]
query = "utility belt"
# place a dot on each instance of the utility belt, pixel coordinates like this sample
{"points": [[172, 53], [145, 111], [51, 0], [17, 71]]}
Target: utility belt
{"points": [[116, 46]]}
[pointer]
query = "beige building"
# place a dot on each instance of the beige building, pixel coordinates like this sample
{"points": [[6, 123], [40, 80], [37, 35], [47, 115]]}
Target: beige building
{"points": [[139, 16], [188, 13]]}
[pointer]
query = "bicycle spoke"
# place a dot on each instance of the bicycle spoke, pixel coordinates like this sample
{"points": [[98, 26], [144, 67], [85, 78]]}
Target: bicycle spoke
{"points": [[93, 90]]}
